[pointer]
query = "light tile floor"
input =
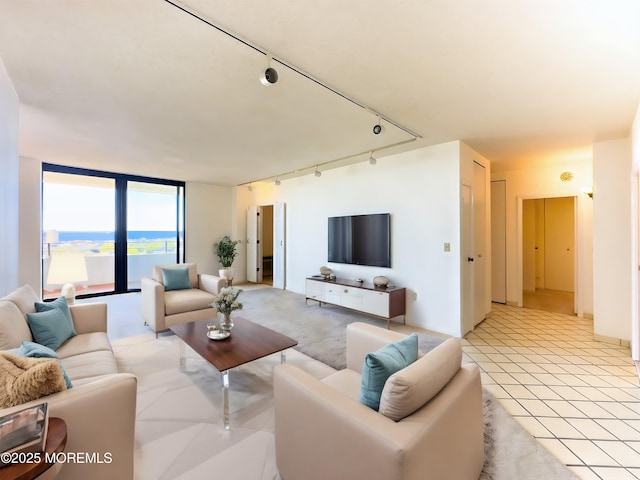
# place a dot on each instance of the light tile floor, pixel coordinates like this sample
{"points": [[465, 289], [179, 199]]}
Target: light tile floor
{"points": [[580, 398]]}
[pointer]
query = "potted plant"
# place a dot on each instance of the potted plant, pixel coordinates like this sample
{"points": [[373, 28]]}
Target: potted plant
{"points": [[226, 251]]}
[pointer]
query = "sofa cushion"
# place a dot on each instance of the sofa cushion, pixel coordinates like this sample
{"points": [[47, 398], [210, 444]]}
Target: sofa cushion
{"points": [[345, 381], [24, 297], [88, 365], [410, 388], [180, 301], [13, 326], [378, 366], [50, 328], [85, 343], [35, 350], [59, 303], [175, 278], [193, 272], [24, 379]]}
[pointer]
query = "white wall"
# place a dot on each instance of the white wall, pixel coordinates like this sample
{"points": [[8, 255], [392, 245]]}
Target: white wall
{"points": [[208, 218], [613, 268], [30, 212], [421, 190], [635, 223], [541, 182], [9, 181]]}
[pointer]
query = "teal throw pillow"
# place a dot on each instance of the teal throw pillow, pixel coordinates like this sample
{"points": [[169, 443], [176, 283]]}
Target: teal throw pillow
{"points": [[381, 364], [50, 328], [176, 278], [61, 304], [35, 350]]}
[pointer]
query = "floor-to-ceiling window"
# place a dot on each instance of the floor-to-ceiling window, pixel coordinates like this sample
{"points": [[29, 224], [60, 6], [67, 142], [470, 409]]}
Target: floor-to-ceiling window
{"points": [[103, 231]]}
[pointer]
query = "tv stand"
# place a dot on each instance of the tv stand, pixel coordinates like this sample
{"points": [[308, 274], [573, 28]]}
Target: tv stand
{"points": [[382, 302]]}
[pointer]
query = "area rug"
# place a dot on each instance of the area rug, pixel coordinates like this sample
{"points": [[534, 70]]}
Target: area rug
{"points": [[179, 432], [320, 331]]}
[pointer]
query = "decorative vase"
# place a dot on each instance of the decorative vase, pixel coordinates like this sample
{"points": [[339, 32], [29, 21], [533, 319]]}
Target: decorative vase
{"points": [[227, 274], [226, 324], [381, 281]]}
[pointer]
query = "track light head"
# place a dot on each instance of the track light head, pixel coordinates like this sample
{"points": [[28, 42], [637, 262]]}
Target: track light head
{"points": [[317, 173], [277, 182], [269, 77], [372, 159], [378, 129]]}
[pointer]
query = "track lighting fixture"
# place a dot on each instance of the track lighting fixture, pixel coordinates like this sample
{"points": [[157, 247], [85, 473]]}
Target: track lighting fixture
{"points": [[250, 187], [372, 159], [378, 129], [278, 182], [317, 173], [270, 75]]}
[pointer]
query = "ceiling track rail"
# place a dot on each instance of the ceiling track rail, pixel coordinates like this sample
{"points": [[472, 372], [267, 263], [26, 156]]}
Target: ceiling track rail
{"points": [[306, 170], [190, 11]]}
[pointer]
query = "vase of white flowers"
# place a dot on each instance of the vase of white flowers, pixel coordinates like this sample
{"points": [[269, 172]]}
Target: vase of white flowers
{"points": [[225, 303]]}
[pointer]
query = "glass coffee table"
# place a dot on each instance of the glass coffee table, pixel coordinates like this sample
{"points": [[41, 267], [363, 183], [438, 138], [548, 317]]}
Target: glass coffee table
{"points": [[248, 342]]}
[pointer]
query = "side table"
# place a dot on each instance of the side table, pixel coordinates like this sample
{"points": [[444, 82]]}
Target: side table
{"points": [[56, 441]]}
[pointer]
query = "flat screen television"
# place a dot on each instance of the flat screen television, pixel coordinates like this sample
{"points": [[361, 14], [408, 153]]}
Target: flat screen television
{"points": [[360, 240]]}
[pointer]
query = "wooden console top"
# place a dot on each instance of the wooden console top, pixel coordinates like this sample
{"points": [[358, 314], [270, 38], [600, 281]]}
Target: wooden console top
{"points": [[352, 283]]}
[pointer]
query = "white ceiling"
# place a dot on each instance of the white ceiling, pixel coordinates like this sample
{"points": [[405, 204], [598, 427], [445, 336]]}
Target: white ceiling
{"points": [[142, 87]]}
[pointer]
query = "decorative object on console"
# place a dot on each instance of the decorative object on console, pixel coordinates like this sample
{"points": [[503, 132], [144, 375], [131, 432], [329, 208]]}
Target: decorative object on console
{"points": [[326, 272], [225, 303], [226, 251], [381, 281]]}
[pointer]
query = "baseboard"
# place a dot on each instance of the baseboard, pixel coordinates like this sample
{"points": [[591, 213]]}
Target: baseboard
{"points": [[612, 341], [587, 316], [512, 303]]}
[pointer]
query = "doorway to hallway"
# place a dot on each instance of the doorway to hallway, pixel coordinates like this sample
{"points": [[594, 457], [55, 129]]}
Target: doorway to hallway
{"points": [[548, 254]]}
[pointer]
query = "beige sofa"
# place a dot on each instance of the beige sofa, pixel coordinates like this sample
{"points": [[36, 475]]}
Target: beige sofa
{"points": [[162, 309], [100, 408], [323, 431]]}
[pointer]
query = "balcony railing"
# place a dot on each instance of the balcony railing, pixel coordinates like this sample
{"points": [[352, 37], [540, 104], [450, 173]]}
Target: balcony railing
{"points": [[100, 265]]}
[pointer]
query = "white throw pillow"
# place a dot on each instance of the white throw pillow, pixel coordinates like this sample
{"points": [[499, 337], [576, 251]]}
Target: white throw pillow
{"points": [[410, 388]]}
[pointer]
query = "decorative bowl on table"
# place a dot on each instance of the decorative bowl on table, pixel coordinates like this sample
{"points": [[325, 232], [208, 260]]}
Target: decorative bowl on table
{"points": [[216, 333]]}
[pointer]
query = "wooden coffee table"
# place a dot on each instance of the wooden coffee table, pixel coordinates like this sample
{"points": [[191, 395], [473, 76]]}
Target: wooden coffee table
{"points": [[248, 342]]}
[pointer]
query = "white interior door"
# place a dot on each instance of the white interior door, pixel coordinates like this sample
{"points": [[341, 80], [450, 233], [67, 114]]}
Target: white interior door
{"points": [[559, 231], [279, 245], [479, 216], [466, 262], [254, 253]]}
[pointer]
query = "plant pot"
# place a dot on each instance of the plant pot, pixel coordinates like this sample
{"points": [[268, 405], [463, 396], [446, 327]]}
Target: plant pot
{"points": [[227, 274]]}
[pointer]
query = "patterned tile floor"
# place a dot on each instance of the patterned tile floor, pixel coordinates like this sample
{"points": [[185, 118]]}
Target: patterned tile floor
{"points": [[580, 398]]}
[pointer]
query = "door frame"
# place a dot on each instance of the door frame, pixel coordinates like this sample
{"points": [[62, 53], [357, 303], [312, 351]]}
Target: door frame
{"points": [[279, 237], [519, 252]]}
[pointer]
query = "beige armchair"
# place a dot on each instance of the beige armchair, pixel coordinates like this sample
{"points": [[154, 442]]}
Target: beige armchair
{"points": [[323, 431], [162, 309]]}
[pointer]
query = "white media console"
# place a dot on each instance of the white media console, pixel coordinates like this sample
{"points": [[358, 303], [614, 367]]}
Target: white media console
{"points": [[384, 302]]}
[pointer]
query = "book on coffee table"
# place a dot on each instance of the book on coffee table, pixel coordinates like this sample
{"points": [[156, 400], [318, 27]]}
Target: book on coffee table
{"points": [[24, 430]]}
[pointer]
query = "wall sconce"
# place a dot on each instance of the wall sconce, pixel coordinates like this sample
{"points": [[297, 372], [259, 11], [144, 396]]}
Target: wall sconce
{"points": [[587, 191]]}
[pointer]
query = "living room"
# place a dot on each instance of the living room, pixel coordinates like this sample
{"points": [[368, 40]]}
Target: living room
{"points": [[420, 184]]}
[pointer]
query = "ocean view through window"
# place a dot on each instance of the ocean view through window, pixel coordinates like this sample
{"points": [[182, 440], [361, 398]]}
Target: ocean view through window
{"points": [[87, 244]]}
